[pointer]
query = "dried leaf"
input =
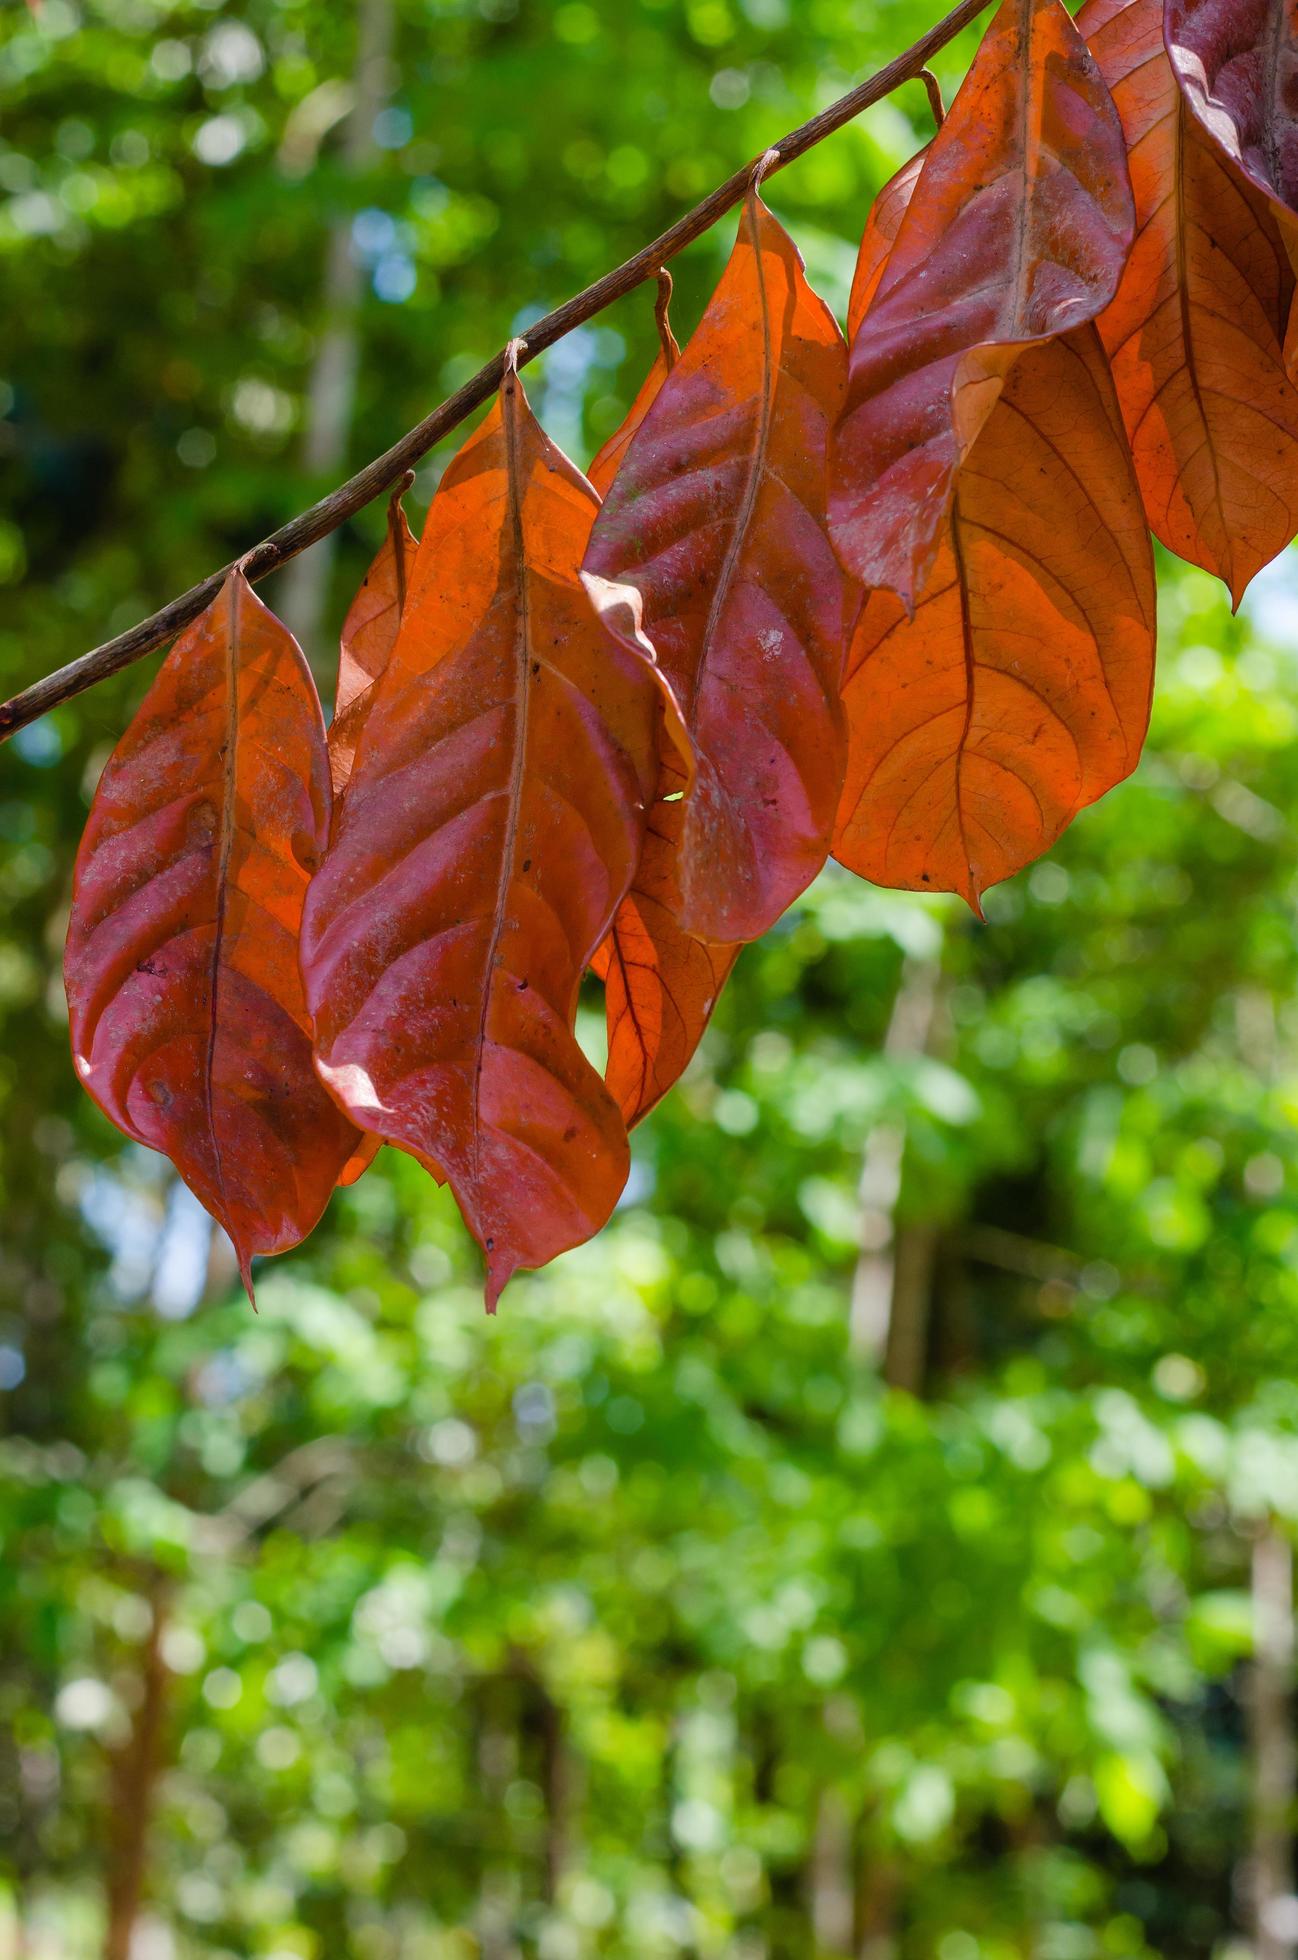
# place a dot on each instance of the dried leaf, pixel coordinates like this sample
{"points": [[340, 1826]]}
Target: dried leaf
{"points": [[717, 518], [368, 637], [1019, 691], [491, 825], [661, 984], [1237, 64], [1017, 229], [188, 1022], [608, 460], [1195, 334], [878, 239]]}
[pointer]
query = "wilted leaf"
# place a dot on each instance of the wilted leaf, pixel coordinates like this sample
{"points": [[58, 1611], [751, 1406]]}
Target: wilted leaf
{"points": [[1019, 691], [717, 517], [878, 238], [1016, 230], [609, 458], [1195, 334], [1237, 64], [189, 1026], [660, 983], [491, 825], [368, 637], [981, 475]]}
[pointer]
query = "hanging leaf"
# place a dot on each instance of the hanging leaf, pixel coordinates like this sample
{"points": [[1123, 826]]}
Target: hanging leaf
{"points": [[717, 518], [369, 635], [1195, 334], [660, 983], [878, 238], [1237, 65], [1019, 691], [1017, 229], [608, 460], [188, 1022], [491, 825], [999, 677]]}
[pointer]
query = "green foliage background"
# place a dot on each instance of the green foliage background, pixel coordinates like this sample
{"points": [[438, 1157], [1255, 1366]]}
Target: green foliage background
{"points": [[642, 1620]]}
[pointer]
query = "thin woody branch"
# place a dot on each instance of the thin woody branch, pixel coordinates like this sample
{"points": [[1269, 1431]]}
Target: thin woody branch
{"points": [[385, 470]]}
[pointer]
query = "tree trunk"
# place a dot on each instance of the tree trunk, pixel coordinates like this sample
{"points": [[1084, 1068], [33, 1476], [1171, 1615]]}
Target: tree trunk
{"points": [[1274, 1908], [331, 391], [132, 1785], [832, 1901]]}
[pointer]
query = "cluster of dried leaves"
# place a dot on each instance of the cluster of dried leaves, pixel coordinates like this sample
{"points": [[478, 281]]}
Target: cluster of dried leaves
{"points": [[894, 602]]}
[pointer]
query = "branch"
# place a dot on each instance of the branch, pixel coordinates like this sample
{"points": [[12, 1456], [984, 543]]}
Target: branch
{"points": [[379, 475]]}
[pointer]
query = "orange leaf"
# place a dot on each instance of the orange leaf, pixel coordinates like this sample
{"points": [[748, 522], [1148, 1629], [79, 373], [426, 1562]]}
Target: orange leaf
{"points": [[188, 1022], [1017, 229], [368, 637], [1019, 691], [1195, 335], [660, 982], [491, 825], [717, 518]]}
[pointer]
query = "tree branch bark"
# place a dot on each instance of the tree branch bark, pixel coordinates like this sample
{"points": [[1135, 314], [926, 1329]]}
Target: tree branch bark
{"points": [[378, 476]]}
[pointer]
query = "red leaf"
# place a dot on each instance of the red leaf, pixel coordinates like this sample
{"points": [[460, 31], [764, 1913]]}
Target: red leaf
{"points": [[608, 460], [491, 825], [1195, 333], [1017, 230], [878, 238], [188, 1022], [1237, 64], [368, 637], [660, 983], [717, 518]]}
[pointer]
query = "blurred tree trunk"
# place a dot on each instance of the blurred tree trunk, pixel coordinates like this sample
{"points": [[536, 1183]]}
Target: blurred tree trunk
{"points": [[876, 1901], [557, 1788], [331, 391], [1274, 1909], [894, 1270], [832, 1899], [132, 1786]]}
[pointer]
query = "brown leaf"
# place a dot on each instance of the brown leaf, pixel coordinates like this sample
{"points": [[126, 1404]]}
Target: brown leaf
{"points": [[1017, 229], [491, 825], [1019, 691], [878, 238], [608, 459], [1237, 64], [188, 1022], [717, 518], [1195, 334], [660, 982], [368, 637]]}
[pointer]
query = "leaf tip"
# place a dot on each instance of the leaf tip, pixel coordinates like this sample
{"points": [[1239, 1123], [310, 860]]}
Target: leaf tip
{"points": [[501, 1267], [245, 1274]]}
